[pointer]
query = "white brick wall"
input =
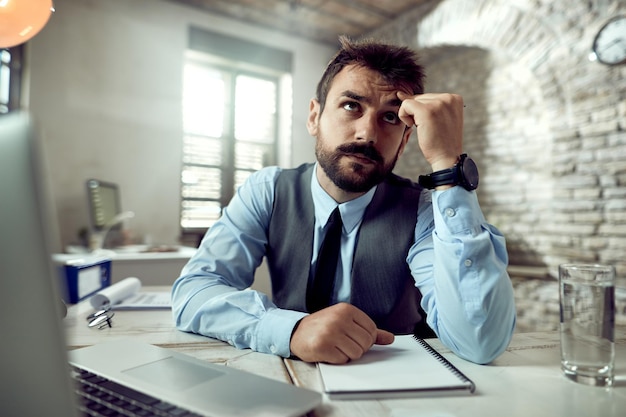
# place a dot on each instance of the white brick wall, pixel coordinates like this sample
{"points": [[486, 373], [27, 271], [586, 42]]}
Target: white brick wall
{"points": [[537, 303], [546, 126]]}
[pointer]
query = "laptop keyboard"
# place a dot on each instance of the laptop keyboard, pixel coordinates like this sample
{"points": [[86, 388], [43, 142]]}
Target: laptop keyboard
{"points": [[102, 397]]}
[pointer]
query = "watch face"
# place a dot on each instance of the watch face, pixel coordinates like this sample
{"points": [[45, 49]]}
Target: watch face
{"points": [[609, 46], [470, 174]]}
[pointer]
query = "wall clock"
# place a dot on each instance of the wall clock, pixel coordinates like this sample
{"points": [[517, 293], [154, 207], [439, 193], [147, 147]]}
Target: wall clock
{"points": [[609, 45]]}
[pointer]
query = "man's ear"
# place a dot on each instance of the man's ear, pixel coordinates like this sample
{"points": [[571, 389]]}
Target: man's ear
{"points": [[313, 120]]}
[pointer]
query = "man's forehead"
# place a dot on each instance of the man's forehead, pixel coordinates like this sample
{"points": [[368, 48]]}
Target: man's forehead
{"points": [[364, 84]]}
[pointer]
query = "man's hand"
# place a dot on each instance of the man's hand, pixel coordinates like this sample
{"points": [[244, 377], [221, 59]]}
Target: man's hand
{"points": [[336, 334], [439, 121]]}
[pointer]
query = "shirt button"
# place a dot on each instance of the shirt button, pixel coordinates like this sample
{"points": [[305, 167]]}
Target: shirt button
{"points": [[468, 263], [273, 349], [450, 212]]}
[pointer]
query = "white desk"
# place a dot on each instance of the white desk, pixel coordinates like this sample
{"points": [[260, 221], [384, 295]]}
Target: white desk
{"points": [[152, 268], [161, 268], [157, 327], [524, 381]]}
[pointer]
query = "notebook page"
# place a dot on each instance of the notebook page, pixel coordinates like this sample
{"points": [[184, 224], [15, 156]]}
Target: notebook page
{"points": [[403, 365]]}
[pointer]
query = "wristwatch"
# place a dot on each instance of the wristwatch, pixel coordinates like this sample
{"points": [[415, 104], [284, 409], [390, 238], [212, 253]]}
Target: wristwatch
{"points": [[464, 173]]}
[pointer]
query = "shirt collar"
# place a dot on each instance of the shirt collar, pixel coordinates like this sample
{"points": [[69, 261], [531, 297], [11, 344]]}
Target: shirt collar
{"points": [[351, 211]]}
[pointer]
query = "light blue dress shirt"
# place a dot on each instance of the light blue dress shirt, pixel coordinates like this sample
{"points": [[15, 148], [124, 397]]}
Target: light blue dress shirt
{"points": [[458, 262]]}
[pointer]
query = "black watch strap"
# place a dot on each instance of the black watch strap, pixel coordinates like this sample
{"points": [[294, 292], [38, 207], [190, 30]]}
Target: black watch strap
{"points": [[464, 172], [438, 178]]}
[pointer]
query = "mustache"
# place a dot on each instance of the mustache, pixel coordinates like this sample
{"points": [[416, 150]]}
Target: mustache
{"points": [[365, 150]]}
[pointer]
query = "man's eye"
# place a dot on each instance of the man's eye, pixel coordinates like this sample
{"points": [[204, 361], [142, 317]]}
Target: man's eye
{"points": [[391, 117], [351, 106]]}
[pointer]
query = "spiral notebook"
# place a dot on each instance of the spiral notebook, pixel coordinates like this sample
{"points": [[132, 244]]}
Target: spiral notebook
{"points": [[409, 367]]}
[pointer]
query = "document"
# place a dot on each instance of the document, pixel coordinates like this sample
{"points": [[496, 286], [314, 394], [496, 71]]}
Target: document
{"points": [[409, 367], [126, 295]]}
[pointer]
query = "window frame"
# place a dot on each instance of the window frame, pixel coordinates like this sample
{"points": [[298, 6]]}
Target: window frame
{"points": [[15, 67], [228, 169]]}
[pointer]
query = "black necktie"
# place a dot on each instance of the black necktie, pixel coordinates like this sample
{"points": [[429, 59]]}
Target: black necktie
{"points": [[321, 289]]}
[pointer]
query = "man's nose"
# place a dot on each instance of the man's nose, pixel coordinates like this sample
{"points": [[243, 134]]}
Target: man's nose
{"points": [[367, 128]]}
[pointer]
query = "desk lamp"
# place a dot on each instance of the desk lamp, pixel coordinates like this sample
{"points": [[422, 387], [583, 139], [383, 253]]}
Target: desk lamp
{"points": [[98, 238]]}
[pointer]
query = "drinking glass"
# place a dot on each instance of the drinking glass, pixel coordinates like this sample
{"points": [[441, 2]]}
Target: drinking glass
{"points": [[587, 310]]}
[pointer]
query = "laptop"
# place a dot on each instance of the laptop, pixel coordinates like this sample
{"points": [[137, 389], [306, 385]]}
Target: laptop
{"points": [[39, 377]]}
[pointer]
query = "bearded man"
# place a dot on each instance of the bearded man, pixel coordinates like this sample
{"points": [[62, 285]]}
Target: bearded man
{"points": [[408, 257]]}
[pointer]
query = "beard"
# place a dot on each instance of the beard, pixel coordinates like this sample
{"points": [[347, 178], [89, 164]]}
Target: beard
{"points": [[355, 177]]}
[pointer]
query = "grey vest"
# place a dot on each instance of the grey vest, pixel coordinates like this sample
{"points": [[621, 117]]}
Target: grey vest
{"points": [[382, 284]]}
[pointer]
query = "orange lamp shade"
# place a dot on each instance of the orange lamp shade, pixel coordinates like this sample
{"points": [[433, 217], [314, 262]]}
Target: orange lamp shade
{"points": [[20, 20]]}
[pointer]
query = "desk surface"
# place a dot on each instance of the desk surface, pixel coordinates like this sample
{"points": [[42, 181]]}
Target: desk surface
{"points": [[526, 380]]}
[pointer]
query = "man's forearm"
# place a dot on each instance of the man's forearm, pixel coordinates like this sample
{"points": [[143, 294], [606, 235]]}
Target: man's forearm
{"points": [[461, 271], [245, 319]]}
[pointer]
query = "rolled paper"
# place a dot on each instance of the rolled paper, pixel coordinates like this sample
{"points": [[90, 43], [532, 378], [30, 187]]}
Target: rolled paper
{"points": [[116, 293]]}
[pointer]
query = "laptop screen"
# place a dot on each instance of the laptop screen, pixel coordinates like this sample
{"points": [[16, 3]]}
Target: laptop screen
{"points": [[34, 370], [34, 380]]}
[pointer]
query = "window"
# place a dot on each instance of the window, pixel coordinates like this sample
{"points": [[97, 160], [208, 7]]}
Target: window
{"points": [[231, 128], [10, 78]]}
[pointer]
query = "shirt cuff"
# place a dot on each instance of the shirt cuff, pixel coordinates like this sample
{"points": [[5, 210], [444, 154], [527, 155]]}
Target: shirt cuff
{"points": [[456, 212], [274, 334]]}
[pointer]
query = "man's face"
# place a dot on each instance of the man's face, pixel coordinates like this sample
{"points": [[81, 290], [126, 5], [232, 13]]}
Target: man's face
{"points": [[359, 134]]}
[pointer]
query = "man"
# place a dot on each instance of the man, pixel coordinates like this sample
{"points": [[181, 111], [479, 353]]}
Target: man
{"points": [[407, 256]]}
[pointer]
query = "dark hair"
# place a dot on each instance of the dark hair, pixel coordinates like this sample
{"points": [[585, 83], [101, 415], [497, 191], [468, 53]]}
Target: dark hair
{"points": [[396, 64]]}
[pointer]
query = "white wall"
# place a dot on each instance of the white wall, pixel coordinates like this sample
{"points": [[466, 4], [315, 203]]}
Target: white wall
{"points": [[105, 83]]}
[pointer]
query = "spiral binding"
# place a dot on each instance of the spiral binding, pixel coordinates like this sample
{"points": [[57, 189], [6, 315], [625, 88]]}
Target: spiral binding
{"points": [[445, 362]]}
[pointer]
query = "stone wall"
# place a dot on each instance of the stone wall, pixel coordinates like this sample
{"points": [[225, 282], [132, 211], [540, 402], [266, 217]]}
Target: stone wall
{"points": [[546, 126], [537, 303]]}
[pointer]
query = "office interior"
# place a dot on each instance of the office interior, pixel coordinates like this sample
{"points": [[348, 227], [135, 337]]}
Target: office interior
{"points": [[545, 123]]}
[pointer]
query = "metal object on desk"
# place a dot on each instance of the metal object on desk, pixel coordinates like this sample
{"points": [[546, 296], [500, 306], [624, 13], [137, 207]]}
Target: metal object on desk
{"points": [[100, 319]]}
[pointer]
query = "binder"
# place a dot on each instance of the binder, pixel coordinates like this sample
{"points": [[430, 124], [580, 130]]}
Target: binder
{"points": [[407, 368]]}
